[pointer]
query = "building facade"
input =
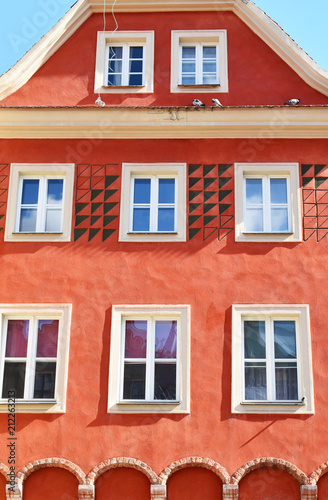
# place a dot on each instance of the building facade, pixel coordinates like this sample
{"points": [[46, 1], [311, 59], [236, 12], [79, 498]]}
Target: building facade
{"points": [[163, 260]]}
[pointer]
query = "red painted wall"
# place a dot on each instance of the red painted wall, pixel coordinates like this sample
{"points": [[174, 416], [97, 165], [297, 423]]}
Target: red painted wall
{"points": [[210, 276], [51, 484], [257, 76], [323, 487], [194, 483], [269, 484]]}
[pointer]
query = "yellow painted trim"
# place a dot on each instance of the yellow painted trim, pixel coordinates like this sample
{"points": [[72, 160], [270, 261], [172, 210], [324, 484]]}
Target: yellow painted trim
{"points": [[134, 123]]}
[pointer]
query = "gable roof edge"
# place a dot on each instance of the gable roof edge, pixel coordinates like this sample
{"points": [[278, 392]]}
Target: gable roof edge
{"points": [[281, 43], [35, 57], [254, 17]]}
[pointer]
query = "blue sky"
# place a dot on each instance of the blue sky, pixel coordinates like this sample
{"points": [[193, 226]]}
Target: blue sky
{"points": [[23, 22]]}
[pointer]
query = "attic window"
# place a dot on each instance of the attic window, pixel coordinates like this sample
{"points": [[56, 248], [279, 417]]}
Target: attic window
{"points": [[125, 62], [199, 61]]}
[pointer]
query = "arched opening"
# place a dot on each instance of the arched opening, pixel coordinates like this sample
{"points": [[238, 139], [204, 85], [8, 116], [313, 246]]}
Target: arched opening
{"points": [[269, 484], [323, 487], [194, 483], [51, 483], [123, 483], [3, 483]]}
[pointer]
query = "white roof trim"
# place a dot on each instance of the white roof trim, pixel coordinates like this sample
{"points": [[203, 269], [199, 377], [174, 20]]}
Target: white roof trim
{"points": [[246, 10]]}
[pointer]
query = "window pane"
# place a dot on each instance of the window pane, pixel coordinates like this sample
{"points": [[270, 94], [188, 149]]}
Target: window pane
{"points": [[278, 190], [166, 190], [209, 67], [27, 221], [135, 79], [114, 79], [141, 219], [255, 381], [209, 79], [166, 219], [53, 221], [166, 339], [115, 53], [254, 219], [45, 379], [188, 67], [254, 339], [47, 338], [17, 336], [188, 80], [115, 66], [209, 52], [279, 219], [30, 193], [284, 339], [188, 52], [135, 339], [165, 381], [136, 66], [286, 382], [136, 52], [134, 381], [55, 191], [14, 379], [254, 192], [141, 191]]}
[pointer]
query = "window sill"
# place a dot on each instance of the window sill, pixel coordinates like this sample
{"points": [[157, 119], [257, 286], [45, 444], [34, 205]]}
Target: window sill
{"points": [[36, 232], [154, 233], [37, 237], [32, 406], [273, 408], [199, 85], [245, 237], [148, 407], [274, 403], [124, 86]]}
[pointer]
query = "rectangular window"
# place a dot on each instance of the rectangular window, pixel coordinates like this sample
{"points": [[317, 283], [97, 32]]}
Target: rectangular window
{"points": [[199, 64], [157, 202], [40, 207], [271, 359], [40, 200], [153, 204], [34, 354], [267, 202], [124, 62], [149, 363], [150, 359], [125, 65], [199, 60]]}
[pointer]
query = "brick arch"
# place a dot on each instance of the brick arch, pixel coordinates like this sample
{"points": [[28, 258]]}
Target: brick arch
{"points": [[114, 463], [268, 462], [205, 463], [28, 469], [4, 470], [318, 473]]}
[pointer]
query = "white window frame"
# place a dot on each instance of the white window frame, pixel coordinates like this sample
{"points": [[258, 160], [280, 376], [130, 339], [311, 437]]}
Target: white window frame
{"points": [[33, 312], [290, 171], [121, 313], [125, 63], [130, 171], [43, 172], [199, 38], [124, 38], [270, 312]]}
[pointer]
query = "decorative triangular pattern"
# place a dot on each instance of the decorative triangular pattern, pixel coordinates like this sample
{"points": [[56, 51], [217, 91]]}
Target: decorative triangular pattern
{"points": [[315, 201], [206, 198], [95, 184], [4, 181]]}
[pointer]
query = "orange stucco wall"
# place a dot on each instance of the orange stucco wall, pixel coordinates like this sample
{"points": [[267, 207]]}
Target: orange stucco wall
{"points": [[257, 76], [210, 276], [208, 273]]}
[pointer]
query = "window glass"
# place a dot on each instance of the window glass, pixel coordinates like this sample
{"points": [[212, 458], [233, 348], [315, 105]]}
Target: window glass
{"points": [[55, 191], [135, 339], [47, 338], [17, 336], [30, 192], [165, 339]]}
